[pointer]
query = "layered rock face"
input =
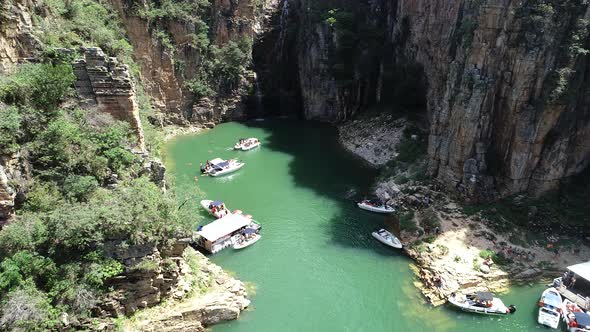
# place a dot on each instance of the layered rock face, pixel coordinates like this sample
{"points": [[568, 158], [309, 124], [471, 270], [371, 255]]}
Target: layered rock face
{"points": [[104, 82], [165, 70], [507, 85], [16, 38]]}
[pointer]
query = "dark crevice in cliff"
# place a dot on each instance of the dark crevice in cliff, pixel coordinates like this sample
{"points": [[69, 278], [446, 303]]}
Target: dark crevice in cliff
{"points": [[275, 62]]}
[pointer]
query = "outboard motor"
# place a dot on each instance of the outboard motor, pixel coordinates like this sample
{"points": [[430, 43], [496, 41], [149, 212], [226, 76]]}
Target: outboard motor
{"points": [[202, 169], [512, 308]]}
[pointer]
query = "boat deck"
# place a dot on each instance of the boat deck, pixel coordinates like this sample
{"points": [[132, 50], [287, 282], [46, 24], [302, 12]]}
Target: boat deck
{"points": [[583, 302]]}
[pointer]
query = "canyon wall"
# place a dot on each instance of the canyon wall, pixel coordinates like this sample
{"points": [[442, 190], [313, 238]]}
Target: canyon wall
{"points": [[507, 84], [105, 84], [167, 67]]}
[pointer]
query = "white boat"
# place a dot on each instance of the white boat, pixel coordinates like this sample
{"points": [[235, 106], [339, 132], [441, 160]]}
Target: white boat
{"points": [[242, 241], [246, 144], [375, 206], [574, 317], [219, 167], [481, 303], [550, 308], [387, 238], [215, 208]]}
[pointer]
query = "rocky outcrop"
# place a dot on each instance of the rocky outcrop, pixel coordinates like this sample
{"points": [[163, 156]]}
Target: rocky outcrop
{"points": [[15, 175], [373, 139], [151, 275], [105, 83], [17, 40], [223, 300], [166, 68], [507, 83]]}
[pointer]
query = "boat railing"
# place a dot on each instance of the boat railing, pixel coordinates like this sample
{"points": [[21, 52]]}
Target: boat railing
{"points": [[582, 301]]}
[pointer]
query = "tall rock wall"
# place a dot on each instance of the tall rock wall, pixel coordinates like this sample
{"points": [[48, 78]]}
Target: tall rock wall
{"points": [[165, 69], [104, 82], [507, 84], [16, 32]]}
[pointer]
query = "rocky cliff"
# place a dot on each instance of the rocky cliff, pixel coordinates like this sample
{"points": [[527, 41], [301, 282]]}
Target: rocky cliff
{"points": [[506, 83], [17, 40], [170, 55], [104, 83]]}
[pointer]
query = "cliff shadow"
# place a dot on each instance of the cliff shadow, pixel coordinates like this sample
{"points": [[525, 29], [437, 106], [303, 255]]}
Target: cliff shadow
{"points": [[322, 165]]}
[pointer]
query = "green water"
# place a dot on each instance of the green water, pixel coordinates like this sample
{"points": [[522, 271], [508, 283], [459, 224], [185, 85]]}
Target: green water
{"points": [[316, 268]]}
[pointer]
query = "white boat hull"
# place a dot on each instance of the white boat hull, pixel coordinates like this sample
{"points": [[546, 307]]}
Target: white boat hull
{"points": [[230, 169], [205, 204], [549, 314], [250, 147], [377, 209], [393, 241], [248, 243], [497, 308]]}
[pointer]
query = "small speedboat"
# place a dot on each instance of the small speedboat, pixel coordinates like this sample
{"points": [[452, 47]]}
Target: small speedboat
{"points": [[550, 308], [481, 303], [246, 144], [219, 167], [215, 208], [574, 317], [246, 238], [387, 238], [375, 205]]}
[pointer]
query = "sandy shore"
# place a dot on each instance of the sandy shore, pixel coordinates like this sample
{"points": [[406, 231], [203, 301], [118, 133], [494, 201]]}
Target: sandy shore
{"points": [[449, 259]]}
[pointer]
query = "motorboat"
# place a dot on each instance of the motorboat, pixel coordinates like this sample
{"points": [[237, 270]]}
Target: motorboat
{"points": [[574, 317], [375, 205], [481, 303], [246, 238], [579, 323], [246, 144], [387, 238], [215, 208], [550, 308], [219, 167]]}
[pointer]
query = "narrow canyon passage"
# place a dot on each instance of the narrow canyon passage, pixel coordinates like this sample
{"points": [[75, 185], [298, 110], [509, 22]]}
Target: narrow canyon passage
{"points": [[317, 268]]}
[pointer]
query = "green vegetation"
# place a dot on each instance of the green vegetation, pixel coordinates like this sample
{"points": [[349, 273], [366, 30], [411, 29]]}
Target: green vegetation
{"points": [[411, 162], [54, 255], [75, 23], [407, 222], [563, 212], [496, 258], [220, 68]]}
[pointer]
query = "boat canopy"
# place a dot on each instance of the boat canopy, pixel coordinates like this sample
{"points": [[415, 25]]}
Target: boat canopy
{"points": [[221, 165], [582, 270], [223, 226], [216, 203], [249, 231], [216, 161], [484, 296], [552, 299], [582, 319]]}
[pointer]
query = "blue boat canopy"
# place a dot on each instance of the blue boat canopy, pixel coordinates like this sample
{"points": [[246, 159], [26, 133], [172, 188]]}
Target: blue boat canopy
{"points": [[583, 319], [249, 231], [221, 165], [216, 203]]}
